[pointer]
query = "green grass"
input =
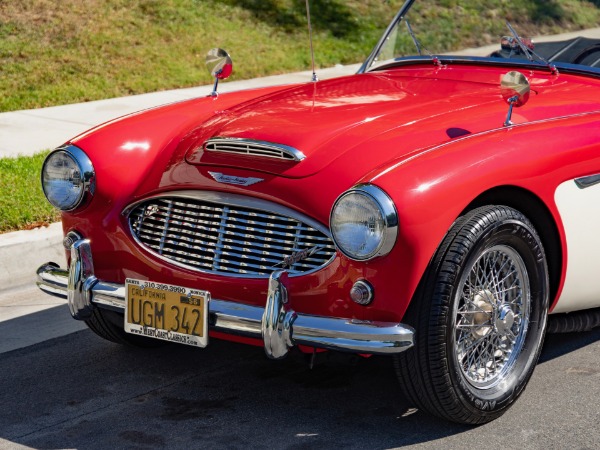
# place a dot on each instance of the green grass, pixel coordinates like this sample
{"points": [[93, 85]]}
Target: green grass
{"points": [[72, 51], [22, 201]]}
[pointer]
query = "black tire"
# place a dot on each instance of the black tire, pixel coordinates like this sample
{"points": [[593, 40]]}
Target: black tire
{"points": [[478, 338], [109, 325]]}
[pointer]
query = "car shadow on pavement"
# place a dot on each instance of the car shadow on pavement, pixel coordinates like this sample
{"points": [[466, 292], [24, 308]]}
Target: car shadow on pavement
{"points": [[559, 344], [78, 391]]}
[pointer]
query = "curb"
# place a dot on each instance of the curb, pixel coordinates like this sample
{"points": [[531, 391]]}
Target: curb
{"points": [[22, 252]]}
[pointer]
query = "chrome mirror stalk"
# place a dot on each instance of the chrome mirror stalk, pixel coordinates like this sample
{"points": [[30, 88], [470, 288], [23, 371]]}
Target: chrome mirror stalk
{"points": [[219, 65], [511, 103]]}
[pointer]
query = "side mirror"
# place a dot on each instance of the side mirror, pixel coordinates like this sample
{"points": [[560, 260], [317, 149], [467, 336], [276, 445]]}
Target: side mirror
{"points": [[219, 65], [515, 91]]}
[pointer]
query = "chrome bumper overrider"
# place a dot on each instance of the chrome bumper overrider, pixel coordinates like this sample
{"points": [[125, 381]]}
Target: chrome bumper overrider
{"points": [[277, 324]]}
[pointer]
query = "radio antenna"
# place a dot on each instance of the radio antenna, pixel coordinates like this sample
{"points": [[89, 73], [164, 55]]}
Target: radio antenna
{"points": [[312, 53]]}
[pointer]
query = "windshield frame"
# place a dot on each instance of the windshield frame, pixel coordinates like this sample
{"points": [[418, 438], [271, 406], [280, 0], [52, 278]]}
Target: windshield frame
{"points": [[399, 16], [445, 59]]}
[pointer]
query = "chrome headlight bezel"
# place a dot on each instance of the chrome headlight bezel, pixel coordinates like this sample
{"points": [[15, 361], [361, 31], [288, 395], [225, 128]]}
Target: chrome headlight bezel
{"points": [[85, 181], [388, 217]]}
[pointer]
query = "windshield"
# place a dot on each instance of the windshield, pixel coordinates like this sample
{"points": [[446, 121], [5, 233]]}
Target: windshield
{"points": [[437, 30]]}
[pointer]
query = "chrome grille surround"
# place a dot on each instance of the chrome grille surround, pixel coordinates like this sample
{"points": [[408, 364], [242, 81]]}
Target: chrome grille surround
{"points": [[227, 234], [251, 147]]}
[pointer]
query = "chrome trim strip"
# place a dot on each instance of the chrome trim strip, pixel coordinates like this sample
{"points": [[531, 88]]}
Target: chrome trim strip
{"points": [[340, 334], [577, 69], [252, 147], [231, 200], [236, 200], [564, 50], [588, 181]]}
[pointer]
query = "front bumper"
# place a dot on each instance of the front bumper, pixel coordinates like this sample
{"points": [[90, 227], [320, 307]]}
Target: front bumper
{"points": [[276, 324]]}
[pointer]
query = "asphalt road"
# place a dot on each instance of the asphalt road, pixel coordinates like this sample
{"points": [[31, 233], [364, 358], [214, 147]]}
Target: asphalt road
{"points": [[78, 391]]}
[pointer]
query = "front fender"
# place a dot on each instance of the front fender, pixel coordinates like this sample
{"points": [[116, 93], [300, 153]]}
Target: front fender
{"points": [[433, 188]]}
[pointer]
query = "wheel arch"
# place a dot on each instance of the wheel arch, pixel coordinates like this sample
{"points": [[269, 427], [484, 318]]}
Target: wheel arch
{"points": [[540, 216]]}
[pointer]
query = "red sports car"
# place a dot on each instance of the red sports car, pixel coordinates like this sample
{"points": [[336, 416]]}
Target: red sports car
{"points": [[434, 207]]}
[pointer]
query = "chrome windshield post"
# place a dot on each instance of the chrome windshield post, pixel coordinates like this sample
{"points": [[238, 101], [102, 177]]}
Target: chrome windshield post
{"points": [[278, 318]]}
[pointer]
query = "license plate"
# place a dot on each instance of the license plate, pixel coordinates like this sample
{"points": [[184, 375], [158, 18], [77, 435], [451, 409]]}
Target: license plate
{"points": [[167, 312]]}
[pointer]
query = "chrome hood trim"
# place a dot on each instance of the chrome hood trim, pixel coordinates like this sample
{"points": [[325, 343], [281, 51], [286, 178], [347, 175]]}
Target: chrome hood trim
{"points": [[251, 147]]}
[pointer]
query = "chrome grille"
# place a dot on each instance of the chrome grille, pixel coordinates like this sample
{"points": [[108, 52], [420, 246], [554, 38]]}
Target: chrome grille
{"points": [[229, 239], [251, 147]]}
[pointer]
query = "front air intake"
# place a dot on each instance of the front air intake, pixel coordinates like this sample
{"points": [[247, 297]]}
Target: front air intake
{"points": [[230, 234]]}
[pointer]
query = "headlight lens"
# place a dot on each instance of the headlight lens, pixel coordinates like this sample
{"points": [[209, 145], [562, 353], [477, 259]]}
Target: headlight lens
{"points": [[364, 223], [68, 178]]}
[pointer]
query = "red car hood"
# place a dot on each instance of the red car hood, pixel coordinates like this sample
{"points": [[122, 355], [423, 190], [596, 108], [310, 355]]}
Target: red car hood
{"points": [[416, 107], [362, 122]]}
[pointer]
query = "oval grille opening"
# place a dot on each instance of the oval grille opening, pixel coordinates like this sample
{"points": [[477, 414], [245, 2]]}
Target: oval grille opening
{"points": [[226, 239]]}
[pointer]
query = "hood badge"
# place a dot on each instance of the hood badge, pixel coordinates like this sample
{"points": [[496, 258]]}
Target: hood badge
{"points": [[232, 179], [289, 261]]}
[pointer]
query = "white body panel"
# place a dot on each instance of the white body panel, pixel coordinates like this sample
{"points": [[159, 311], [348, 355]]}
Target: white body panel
{"points": [[580, 212]]}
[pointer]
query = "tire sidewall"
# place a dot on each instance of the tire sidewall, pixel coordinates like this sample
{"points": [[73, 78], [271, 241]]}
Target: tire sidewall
{"points": [[520, 236]]}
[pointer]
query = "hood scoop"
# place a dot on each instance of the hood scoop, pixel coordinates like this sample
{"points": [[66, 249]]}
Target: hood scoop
{"points": [[253, 148]]}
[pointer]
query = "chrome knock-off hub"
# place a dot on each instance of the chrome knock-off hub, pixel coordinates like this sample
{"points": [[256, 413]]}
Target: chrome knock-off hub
{"points": [[483, 303], [505, 320]]}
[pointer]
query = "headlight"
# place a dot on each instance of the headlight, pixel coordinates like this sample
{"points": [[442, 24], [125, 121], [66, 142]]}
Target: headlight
{"points": [[68, 178], [364, 223]]}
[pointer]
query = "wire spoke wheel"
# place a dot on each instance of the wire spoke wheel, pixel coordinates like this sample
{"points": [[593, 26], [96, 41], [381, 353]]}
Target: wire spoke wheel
{"points": [[491, 316], [480, 316]]}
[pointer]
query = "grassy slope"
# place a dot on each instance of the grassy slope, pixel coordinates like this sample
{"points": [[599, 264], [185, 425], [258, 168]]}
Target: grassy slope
{"points": [[72, 51]]}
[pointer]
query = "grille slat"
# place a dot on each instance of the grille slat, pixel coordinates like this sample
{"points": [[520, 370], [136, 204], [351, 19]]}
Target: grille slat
{"points": [[229, 240]]}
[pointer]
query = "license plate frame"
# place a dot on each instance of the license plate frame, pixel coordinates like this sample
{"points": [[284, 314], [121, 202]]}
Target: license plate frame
{"points": [[167, 312]]}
